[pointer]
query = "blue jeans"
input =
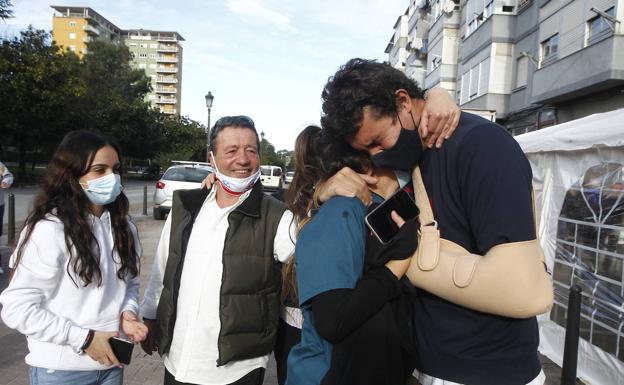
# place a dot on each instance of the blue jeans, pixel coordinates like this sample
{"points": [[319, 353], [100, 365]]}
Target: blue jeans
{"points": [[42, 376]]}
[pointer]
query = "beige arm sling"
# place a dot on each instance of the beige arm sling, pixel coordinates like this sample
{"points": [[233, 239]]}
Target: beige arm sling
{"points": [[509, 280]]}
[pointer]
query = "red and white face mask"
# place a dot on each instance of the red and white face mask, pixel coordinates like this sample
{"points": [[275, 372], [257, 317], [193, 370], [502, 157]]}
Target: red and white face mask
{"points": [[236, 186]]}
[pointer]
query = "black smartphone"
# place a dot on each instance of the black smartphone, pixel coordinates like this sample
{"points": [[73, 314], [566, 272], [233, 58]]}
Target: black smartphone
{"points": [[379, 220], [122, 349]]}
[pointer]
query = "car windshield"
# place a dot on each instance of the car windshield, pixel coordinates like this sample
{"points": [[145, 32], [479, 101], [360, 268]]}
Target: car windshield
{"points": [[266, 171], [290, 173], [186, 174]]}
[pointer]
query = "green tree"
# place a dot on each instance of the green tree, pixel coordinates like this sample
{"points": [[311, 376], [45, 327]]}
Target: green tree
{"points": [[38, 89], [268, 156], [5, 10], [185, 140], [114, 100]]}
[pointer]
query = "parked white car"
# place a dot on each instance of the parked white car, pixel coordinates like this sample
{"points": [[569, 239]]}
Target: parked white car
{"points": [[183, 175], [289, 176], [272, 178]]}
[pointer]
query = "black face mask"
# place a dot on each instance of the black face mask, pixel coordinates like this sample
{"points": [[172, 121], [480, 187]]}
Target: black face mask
{"points": [[405, 153]]}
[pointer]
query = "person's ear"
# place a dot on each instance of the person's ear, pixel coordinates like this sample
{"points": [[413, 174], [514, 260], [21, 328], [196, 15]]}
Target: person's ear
{"points": [[403, 100]]}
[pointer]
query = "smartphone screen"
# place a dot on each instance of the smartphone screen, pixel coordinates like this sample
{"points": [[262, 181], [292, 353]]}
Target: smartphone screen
{"points": [[379, 220]]}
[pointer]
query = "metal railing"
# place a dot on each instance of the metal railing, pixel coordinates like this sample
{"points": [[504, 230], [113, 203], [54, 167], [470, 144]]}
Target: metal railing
{"points": [[171, 70], [170, 90], [164, 48], [164, 79], [165, 59], [166, 100]]}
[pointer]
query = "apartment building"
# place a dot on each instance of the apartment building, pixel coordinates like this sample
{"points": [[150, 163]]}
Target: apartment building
{"points": [[74, 27], [397, 46], [158, 53], [534, 63]]}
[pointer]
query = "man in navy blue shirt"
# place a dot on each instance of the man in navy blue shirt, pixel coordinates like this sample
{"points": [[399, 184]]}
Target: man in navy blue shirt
{"points": [[479, 184]]}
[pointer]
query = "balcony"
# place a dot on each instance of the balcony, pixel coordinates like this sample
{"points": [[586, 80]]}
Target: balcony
{"points": [[166, 90], [165, 79], [589, 70], [165, 59], [167, 70], [167, 101], [167, 48], [91, 30], [169, 111]]}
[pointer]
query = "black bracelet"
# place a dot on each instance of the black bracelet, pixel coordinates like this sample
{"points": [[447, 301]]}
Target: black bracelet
{"points": [[88, 340]]}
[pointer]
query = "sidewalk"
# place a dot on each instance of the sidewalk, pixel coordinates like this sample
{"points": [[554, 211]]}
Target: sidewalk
{"points": [[144, 370]]}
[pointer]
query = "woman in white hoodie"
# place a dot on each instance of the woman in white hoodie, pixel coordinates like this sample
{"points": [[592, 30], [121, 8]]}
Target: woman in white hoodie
{"points": [[76, 277]]}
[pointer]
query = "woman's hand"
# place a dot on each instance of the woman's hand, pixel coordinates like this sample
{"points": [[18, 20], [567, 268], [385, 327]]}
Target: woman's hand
{"points": [[439, 118], [346, 183], [134, 329], [208, 181], [100, 350], [406, 242], [150, 344]]}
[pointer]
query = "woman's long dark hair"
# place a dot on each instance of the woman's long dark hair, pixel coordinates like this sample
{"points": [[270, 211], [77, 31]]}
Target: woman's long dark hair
{"points": [[63, 197], [317, 157]]}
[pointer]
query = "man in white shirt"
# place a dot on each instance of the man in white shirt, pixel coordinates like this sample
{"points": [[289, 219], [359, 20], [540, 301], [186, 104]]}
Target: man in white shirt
{"points": [[212, 301]]}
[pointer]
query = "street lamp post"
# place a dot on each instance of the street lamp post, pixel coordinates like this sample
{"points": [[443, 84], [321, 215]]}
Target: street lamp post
{"points": [[209, 99]]}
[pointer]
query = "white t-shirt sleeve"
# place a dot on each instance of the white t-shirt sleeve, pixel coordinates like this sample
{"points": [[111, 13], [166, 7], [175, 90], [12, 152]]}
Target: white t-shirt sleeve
{"points": [[284, 244], [36, 278], [155, 283]]}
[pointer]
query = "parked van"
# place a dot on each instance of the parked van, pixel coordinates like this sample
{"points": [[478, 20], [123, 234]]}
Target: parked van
{"points": [[272, 178]]}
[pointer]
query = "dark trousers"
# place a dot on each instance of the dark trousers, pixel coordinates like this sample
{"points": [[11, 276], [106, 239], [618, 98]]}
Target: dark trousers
{"points": [[1, 218], [287, 337], [255, 377]]}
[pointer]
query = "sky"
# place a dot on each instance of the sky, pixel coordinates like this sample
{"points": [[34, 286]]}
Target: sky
{"points": [[267, 59]]}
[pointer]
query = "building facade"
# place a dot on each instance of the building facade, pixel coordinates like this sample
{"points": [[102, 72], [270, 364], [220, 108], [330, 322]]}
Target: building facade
{"points": [[158, 53], [74, 27], [534, 63]]}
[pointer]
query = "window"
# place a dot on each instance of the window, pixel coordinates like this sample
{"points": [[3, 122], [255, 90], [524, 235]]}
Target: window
{"points": [[522, 67], [154, 45], [142, 65], [589, 235], [72, 48], [152, 66], [550, 50], [522, 4], [474, 82], [72, 23], [143, 55], [152, 56], [72, 36], [143, 45], [132, 44], [508, 8], [599, 27]]}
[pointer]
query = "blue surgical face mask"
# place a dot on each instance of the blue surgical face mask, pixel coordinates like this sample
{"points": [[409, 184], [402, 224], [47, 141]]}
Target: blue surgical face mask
{"points": [[104, 190]]}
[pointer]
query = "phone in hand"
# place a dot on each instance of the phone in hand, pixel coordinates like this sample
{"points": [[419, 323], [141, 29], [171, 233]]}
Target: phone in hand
{"points": [[379, 220], [122, 349]]}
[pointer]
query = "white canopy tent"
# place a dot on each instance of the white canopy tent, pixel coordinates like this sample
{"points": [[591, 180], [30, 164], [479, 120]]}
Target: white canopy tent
{"points": [[578, 176]]}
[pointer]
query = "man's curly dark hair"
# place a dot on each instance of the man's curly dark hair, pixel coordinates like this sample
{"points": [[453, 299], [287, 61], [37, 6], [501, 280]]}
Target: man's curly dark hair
{"points": [[357, 84]]}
